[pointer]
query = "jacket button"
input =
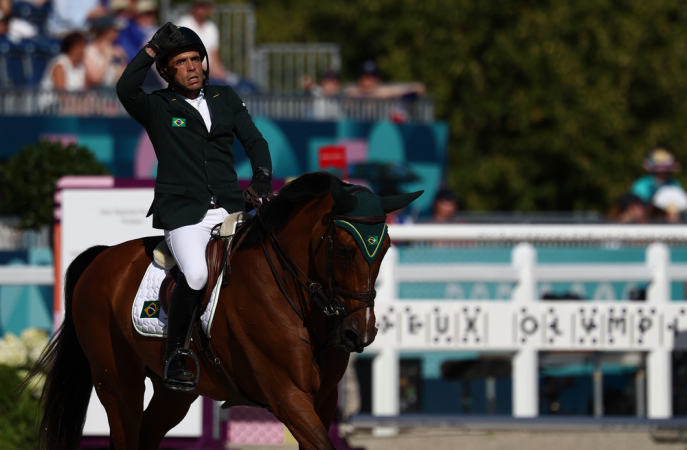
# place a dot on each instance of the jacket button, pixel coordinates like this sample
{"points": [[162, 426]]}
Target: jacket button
{"points": [[206, 162]]}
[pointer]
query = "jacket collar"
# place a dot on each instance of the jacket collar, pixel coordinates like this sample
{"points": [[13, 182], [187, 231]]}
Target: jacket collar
{"points": [[181, 102], [213, 101]]}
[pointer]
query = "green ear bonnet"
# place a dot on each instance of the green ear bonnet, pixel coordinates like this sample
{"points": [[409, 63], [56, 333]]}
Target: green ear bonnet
{"points": [[369, 237]]}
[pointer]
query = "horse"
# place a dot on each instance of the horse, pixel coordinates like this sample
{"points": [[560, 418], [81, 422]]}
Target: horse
{"points": [[285, 355]]}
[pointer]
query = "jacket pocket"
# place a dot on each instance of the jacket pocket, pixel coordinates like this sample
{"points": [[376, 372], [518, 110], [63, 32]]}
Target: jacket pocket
{"points": [[168, 188]]}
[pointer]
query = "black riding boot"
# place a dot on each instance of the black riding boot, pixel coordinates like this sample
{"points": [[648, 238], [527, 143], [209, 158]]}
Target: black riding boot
{"points": [[182, 306]]}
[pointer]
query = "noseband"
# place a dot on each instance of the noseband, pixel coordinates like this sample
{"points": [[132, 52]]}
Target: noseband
{"points": [[327, 302]]}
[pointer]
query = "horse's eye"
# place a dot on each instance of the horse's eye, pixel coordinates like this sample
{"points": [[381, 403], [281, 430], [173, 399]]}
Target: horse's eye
{"points": [[343, 252]]}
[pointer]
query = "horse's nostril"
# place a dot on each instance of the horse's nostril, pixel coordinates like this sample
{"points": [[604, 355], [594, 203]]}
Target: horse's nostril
{"points": [[352, 336]]}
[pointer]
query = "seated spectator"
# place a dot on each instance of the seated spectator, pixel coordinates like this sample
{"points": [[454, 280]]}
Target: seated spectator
{"points": [[670, 202], [326, 104], [661, 165], [139, 28], [199, 21], [66, 71], [445, 206], [104, 61], [630, 209], [67, 16], [370, 85]]}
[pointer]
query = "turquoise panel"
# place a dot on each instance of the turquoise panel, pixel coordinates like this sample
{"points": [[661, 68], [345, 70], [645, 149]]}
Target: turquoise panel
{"points": [[417, 254], [386, 144], [284, 161], [102, 146], [455, 291], [23, 307], [552, 255]]}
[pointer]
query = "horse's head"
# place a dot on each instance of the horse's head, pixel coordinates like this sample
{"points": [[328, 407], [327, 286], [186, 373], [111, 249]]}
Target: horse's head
{"points": [[355, 244]]}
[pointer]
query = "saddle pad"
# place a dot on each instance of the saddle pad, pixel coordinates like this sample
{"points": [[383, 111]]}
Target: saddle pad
{"points": [[147, 315]]}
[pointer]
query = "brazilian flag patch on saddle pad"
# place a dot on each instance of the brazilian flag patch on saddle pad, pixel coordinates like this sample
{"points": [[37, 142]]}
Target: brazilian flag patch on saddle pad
{"points": [[150, 310]]}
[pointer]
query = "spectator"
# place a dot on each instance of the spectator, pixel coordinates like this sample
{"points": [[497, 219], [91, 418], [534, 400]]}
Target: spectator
{"points": [[139, 29], [661, 165], [445, 206], [66, 72], [370, 85], [104, 61], [122, 9], [67, 16], [631, 209], [199, 21], [326, 104], [669, 203]]}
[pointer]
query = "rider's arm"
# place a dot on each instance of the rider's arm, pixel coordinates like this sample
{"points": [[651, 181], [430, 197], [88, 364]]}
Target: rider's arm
{"points": [[136, 102], [250, 137]]}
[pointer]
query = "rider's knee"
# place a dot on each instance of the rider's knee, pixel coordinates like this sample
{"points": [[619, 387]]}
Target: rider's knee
{"points": [[196, 279]]}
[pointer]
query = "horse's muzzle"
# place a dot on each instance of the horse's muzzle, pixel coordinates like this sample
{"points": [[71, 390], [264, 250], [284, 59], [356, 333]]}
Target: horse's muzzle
{"points": [[352, 341]]}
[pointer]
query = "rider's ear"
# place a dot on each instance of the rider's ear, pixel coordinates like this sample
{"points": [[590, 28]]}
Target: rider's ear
{"points": [[395, 202]]}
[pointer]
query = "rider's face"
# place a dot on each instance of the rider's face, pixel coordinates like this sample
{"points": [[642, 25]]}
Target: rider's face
{"points": [[186, 68]]}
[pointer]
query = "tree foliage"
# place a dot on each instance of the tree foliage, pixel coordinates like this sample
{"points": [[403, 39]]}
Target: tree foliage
{"points": [[552, 104], [28, 179]]}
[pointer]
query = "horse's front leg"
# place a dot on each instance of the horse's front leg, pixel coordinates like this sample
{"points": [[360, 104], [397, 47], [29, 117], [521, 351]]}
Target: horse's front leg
{"points": [[296, 409]]}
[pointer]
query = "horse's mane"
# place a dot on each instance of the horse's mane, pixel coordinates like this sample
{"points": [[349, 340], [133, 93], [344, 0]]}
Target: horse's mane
{"points": [[275, 213]]}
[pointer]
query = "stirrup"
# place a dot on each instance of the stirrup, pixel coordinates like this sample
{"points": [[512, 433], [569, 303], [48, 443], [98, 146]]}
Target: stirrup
{"points": [[184, 386]]}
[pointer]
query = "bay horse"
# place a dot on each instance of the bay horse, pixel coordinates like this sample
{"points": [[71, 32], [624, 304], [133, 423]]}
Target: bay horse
{"points": [[288, 356]]}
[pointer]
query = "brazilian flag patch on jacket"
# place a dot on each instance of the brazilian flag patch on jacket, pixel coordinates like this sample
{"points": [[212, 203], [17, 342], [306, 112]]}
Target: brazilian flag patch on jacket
{"points": [[178, 122]]}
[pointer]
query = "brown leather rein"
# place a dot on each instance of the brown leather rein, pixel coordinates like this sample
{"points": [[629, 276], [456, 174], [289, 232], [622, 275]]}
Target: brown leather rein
{"points": [[328, 303]]}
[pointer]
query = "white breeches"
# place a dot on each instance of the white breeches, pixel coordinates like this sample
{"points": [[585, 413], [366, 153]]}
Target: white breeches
{"points": [[187, 245]]}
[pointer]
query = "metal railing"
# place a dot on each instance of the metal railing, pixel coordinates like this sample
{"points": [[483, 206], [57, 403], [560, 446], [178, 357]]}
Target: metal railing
{"points": [[104, 103], [280, 68]]}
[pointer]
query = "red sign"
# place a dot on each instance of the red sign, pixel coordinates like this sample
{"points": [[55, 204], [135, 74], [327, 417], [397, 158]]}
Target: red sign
{"points": [[333, 157]]}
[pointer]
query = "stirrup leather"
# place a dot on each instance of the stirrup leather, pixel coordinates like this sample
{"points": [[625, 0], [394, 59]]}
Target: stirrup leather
{"points": [[184, 386]]}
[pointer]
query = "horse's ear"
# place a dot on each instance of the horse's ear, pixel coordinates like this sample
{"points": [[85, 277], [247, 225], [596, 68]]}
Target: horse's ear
{"points": [[398, 201], [344, 200]]}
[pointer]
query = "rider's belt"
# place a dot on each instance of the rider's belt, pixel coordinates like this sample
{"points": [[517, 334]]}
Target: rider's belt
{"points": [[213, 203]]}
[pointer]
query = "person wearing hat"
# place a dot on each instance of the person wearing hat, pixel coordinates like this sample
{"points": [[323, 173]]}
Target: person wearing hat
{"points": [[104, 61], [140, 27], [199, 21], [445, 206], [661, 166], [191, 125]]}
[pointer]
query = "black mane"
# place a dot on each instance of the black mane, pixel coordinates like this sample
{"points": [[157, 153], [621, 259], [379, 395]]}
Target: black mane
{"points": [[275, 213]]}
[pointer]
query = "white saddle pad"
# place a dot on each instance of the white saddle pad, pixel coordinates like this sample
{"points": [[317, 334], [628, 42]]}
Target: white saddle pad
{"points": [[147, 315]]}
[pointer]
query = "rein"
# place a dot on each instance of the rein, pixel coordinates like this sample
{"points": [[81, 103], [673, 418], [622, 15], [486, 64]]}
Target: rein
{"points": [[327, 302]]}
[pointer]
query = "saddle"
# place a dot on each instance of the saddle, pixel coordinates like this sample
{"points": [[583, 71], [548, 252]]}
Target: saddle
{"points": [[215, 253]]}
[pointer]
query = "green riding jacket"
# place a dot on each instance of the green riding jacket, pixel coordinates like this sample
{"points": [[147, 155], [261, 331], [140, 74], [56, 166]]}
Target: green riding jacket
{"points": [[193, 164]]}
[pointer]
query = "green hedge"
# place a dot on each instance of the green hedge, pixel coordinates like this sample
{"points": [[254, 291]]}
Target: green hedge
{"points": [[28, 179]]}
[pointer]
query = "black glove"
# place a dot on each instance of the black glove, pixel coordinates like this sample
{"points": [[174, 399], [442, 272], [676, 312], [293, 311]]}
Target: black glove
{"points": [[168, 36], [261, 183]]}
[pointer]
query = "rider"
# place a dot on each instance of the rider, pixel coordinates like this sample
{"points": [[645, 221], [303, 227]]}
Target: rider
{"points": [[191, 125]]}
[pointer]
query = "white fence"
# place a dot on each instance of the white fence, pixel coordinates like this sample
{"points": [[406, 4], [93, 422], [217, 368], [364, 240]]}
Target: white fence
{"points": [[524, 326]]}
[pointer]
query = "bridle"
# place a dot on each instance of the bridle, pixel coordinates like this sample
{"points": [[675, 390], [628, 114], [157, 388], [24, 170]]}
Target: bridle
{"points": [[326, 301]]}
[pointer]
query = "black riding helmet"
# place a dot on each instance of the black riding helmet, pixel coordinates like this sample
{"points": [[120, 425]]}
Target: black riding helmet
{"points": [[191, 39]]}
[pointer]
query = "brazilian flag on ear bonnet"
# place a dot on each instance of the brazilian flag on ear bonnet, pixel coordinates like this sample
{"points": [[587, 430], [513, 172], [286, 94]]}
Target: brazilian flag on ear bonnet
{"points": [[369, 237]]}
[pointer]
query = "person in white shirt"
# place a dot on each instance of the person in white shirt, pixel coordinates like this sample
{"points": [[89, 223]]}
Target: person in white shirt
{"points": [[104, 61], [66, 72], [199, 21]]}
